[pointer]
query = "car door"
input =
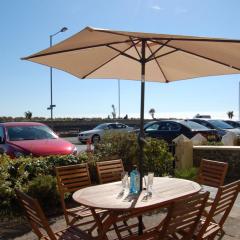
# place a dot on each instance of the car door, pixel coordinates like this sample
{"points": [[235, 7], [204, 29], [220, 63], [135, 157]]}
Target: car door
{"points": [[112, 128], [152, 130], [174, 130], [164, 130], [121, 127], [169, 131]]}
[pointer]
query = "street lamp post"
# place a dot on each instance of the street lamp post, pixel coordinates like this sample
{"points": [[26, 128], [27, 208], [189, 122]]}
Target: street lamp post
{"points": [[64, 29], [239, 101], [119, 104]]}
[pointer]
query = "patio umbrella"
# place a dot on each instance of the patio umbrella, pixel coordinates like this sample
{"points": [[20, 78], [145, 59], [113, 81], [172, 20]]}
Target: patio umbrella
{"points": [[99, 53]]}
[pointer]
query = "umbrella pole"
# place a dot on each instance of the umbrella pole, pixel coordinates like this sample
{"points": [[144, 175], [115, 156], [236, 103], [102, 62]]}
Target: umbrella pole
{"points": [[141, 135]]}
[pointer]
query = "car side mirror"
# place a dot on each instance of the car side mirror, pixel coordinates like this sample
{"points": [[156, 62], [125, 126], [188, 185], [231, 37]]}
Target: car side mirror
{"points": [[2, 140]]}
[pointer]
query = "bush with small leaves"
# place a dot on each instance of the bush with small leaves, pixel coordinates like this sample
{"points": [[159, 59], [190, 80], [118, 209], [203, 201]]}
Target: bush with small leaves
{"points": [[45, 190]]}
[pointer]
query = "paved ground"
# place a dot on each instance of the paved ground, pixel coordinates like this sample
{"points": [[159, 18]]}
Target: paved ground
{"points": [[16, 230], [23, 232]]}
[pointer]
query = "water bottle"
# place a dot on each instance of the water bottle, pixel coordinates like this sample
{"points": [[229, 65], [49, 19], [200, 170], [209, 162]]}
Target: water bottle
{"points": [[134, 181]]}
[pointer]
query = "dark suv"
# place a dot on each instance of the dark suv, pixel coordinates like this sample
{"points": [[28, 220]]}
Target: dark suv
{"points": [[170, 129]]}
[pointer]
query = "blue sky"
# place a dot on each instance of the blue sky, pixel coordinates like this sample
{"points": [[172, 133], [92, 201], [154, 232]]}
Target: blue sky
{"points": [[27, 24]]}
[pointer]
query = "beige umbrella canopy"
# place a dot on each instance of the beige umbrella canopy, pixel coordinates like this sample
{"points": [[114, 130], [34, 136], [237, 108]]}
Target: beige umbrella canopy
{"points": [[98, 53]]}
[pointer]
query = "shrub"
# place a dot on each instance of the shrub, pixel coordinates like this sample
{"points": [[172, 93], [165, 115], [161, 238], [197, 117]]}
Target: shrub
{"points": [[157, 158], [45, 190], [213, 143], [35, 175], [189, 173]]}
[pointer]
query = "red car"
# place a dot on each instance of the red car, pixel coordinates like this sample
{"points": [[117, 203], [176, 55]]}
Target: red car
{"points": [[24, 138]]}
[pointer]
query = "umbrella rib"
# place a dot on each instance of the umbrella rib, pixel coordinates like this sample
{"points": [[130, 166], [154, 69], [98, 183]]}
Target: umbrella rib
{"points": [[158, 64], [157, 50], [135, 47], [107, 62], [197, 55], [74, 49], [123, 53], [165, 54], [207, 58]]}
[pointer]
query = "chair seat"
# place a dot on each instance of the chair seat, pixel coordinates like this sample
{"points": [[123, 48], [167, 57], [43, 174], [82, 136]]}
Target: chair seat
{"points": [[72, 233], [211, 229]]}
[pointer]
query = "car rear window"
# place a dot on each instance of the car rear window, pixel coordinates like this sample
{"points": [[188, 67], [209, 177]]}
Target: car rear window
{"points": [[19, 133], [193, 125]]}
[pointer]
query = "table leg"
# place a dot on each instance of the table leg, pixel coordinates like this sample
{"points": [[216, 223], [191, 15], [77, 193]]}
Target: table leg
{"points": [[104, 222]]}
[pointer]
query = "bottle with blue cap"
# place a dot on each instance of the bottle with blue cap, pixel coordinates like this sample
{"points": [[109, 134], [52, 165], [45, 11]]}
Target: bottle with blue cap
{"points": [[134, 181]]}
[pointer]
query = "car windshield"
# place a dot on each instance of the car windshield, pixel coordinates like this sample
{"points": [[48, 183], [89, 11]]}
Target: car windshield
{"points": [[193, 125], [101, 126], [148, 124], [220, 124], [19, 133]]}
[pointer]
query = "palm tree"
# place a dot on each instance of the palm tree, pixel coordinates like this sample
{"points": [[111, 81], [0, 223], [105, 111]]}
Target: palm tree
{"points": [[28, 115], [114, 111], [230, 114], [152, 112]]}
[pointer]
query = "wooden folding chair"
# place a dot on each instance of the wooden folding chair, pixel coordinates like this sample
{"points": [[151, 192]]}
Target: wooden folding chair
{"points": [[40, 225], [212, 173], [70, 179], [208, 227], [182, 215], [109, 171]]}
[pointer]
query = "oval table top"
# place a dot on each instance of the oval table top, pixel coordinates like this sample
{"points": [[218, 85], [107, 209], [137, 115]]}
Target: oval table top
{"points": [[106, 196]]}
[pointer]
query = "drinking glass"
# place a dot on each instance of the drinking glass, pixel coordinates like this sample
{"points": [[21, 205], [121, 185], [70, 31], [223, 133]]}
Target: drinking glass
{"points": [[150, 183], [124, 178]]}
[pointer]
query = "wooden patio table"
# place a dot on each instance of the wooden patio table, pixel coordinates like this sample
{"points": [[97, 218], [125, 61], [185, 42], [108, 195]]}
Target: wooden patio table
{"points": [[108, 197]]}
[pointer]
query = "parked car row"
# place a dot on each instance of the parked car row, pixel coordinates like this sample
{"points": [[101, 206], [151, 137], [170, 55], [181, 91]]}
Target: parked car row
{"points": [[168, 130], [25, 138]]}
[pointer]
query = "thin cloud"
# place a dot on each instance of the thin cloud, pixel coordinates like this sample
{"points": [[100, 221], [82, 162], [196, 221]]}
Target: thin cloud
{"points": [[156, 7]]}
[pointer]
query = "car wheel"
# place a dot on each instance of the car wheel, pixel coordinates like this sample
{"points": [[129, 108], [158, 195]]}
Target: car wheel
{"points": [[95, 139]]}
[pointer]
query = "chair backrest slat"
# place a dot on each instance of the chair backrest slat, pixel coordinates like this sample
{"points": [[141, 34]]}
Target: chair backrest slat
{"points": [[184, 215], [109, 171], [73, 177], [34, 214], [212, 173], [222, 205], [225, 198]]}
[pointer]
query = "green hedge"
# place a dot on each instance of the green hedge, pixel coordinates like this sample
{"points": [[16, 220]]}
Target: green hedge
{"points": [[36, 175]]}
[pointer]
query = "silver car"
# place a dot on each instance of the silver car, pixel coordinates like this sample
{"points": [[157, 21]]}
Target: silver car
{"points": [[97, 133]]}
